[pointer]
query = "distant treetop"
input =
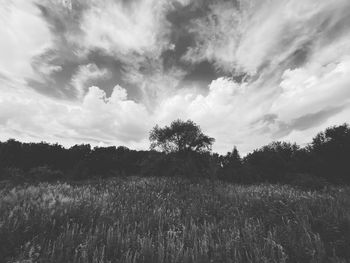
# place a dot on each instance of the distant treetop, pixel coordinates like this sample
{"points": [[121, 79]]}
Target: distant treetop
{"points": [[180, 136]]}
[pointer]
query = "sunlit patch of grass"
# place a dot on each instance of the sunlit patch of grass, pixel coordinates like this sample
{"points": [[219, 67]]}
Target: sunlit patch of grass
{"points": [[173, 220]]}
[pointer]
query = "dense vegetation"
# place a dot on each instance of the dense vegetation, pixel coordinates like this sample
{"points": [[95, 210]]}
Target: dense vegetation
{"points": [[154, 219], [185, 152], [55, 207]]}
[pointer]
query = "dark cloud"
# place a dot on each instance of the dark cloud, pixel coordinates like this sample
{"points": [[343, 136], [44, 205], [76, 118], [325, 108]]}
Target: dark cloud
{"points": [[264, 123], [65, 23], [313, 119], [55, 83], [307, 121], [183, 37], [182, 18], [297, 58], [179, 18], [4, 77], [118, 72], [58, 82], [60, 18], [130, 3], [62, 22], [269, 118], [201, 74], [335, 27], [300, 56]]}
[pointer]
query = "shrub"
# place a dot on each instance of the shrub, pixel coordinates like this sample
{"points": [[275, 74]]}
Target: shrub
{"points": [[308, 182], [174, 164], [45, 173], [243, 175], [13, 174], [80, 171]]}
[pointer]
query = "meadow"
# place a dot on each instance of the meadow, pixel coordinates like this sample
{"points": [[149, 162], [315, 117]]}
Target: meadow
{"points": [[172, 220]]}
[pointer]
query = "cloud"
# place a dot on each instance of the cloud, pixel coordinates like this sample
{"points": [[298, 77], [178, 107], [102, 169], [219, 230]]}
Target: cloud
{"points": [[117, 120], [247, 71], [312, 87], [224, 113], [247, 116], [252, 35], [125, 37], [110, 26], [23, 34], [233, 113], [32, 116], [216, 36], [306, 121], [86, 74], [113, 118]]}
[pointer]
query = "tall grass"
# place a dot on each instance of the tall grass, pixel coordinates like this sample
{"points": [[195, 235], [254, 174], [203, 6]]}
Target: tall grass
{"points": [[173, 220]]}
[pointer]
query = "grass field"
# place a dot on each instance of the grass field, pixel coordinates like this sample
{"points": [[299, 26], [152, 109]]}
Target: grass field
{"points": [[172, 220]]}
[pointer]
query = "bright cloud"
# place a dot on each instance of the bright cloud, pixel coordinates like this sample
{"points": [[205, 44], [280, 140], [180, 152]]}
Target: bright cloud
{"points": [[84, 74], [282, 69], [118, 29], [95, 119], [23, 34]]}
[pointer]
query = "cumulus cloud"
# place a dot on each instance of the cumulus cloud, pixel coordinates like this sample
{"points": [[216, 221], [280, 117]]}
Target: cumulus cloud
{"points": [[84, 74], [117, 120], [28, 115], [310, 88]]}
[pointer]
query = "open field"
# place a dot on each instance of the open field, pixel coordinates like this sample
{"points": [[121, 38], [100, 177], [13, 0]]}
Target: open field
{"points": [[172, 220]]}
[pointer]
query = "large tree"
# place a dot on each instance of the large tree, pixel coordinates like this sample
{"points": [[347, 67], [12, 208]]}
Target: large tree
{"points": [[180, 136], [330, 151]]}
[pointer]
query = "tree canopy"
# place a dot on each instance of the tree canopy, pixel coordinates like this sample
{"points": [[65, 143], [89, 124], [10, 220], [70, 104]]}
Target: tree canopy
{"points": [[180, 136], [325, 159]]}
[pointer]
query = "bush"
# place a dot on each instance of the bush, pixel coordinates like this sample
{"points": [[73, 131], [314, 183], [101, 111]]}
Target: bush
{"points": [[173, 164], [13, 174], [45, 173], [308, 182], [248, 175], [80, 171], [242, 175]]}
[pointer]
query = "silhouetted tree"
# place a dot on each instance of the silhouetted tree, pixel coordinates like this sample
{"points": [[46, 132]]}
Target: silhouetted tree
{"points": [[231, 164], [11, 154], [185, 145], [274, 161], [79, 152], [185, 151], [180, 136], [330, 154]]}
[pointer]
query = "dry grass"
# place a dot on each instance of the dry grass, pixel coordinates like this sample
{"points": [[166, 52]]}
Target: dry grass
{"points": [[173, 220]]}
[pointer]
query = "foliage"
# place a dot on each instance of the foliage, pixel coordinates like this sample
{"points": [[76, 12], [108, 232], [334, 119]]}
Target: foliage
{"points": [[330, 151], [190, 164], [186, 153], [273, 161], [45, 174], [172, 220], [308, 182], [231, 165], [180, 136], [14, 174]]}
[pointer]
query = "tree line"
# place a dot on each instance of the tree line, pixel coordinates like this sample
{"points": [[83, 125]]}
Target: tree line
{"points": [[182, 149]]}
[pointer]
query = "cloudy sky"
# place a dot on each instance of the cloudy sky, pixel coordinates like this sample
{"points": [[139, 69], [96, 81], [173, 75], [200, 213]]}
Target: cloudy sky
{"points": [[105, 72]]}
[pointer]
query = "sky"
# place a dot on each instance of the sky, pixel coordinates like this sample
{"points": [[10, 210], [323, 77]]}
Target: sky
{"points": [[105, 72]]}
